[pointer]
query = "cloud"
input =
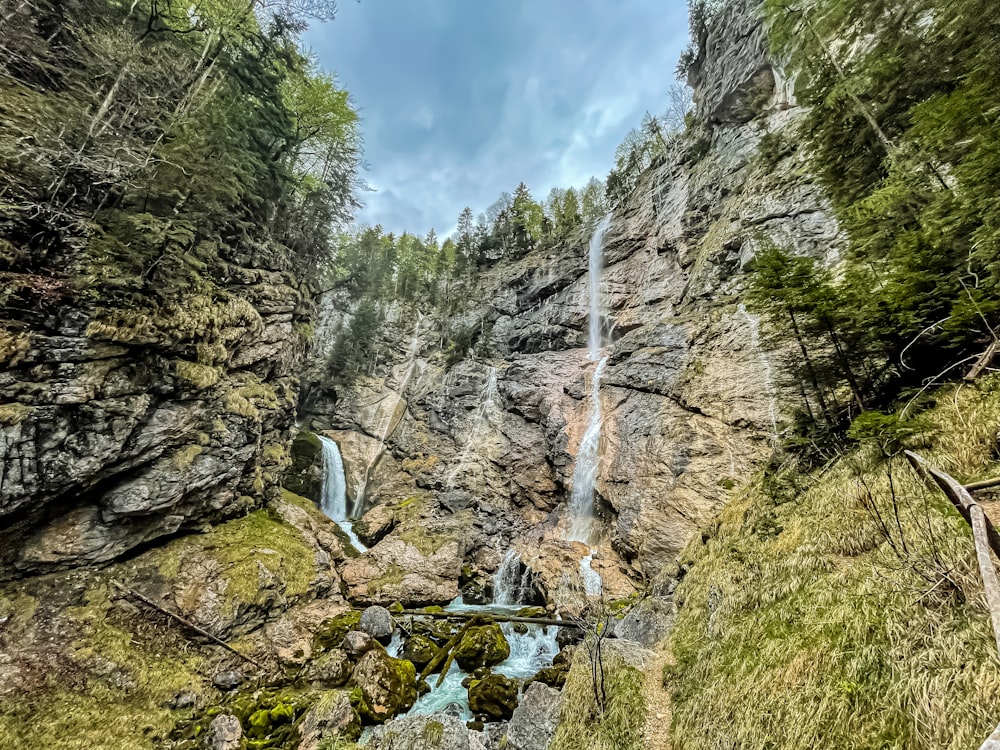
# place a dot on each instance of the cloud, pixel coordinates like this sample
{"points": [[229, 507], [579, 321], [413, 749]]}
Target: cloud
{"points": [[463, 100]]}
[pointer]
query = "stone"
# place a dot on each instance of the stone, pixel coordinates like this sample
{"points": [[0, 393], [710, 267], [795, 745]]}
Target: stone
{"points": [[475, 592], [481, 646], [356, 643], [434, 732], [331, 632], [493, 698], [648, 622], [554, 676], [388, 686], [374, 525], [182, 701], [378, 623], [331, 716], [330, 670], [225, 733], [533, 723], [228, 679], [420, 650]]}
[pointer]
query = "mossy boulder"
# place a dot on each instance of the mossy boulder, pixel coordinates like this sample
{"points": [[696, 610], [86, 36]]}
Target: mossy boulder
{"points": [[420, 650], [330, 633], [554, 676], [493, 698], [330, 670], [536, 612], [481, 646], [387, 686], [331, 716], [268, 720]]}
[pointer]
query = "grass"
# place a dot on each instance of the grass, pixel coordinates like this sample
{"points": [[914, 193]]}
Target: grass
{"points": [[619, 726], [805, 621]]}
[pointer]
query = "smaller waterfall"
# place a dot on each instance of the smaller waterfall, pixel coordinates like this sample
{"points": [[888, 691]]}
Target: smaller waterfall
{"points": [[753, 322], [592, 583], [511, 582], [334, 502], [581, 501]]}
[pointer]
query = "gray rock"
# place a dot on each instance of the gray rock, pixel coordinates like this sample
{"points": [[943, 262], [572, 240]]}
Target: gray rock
{"points": [[648, 622], [330, 716], [433, 732], [378, 623], [225, 733], [330, 670], [229, 679], [357, 643], [182, 701], [535, 719]]}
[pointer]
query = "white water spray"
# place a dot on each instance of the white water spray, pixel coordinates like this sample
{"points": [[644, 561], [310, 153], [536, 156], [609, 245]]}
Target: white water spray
{"points": [[592, 583], [511, 581], [581, 500], [594, 266], [753, 322]]}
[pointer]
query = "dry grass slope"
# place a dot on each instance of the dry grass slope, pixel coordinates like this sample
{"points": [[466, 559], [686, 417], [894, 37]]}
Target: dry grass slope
{"points": [[818, 614]]}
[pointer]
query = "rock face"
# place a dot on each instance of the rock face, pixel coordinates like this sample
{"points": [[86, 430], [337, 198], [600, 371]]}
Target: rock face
{"points": [[535, 719], [689, 398], [136, 424]]}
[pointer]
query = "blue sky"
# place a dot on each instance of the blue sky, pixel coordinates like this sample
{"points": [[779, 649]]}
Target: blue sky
{"points": [[463, 99]]}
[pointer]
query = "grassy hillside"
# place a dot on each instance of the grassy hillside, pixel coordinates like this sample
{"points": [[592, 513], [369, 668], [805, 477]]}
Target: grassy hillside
{"points": [[819, 612]]}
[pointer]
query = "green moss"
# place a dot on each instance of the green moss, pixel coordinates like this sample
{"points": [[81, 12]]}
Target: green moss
{"points": [[481, 646], [393, 576], [426, 541], [12, 414], [269, 720], [184, 457], [197, 375], [330, 634]]}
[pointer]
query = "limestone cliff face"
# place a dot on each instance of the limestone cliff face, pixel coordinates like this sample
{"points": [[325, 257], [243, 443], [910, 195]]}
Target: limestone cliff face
{"points": [[124, 426], [689, 396]]}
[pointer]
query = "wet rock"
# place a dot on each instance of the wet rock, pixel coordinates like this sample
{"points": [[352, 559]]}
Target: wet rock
{"points": [[475, 592], [388, 686], [332, 716], [229, 679], [565, 656], [356, 643], [493, 698], [538, 612], [225, 733], [331, 670], [534, 721], [481, 646], [420, 650], [566, 637], [378, 623], [435, 732], [554, 676]]}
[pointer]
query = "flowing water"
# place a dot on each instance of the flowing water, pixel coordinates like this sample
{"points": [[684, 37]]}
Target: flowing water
{"points": [[592, 583], [529, 651], [594, 266], [753, 322], [481, 421], [581, 500], [334, 500]]}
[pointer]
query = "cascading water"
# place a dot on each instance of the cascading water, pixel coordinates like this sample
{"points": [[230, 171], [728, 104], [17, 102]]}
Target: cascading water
{"points": [[594, 266], [581, 501], [753, 322], [334, 500], [511, 581]]}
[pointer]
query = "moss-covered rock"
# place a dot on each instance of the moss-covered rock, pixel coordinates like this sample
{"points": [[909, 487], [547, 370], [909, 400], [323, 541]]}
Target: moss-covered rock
{"points": [[532, 612], [481, 646], [269, 720], [493, 698], [332, 716], [387, 686], [330, 670], [330, 634], [554, 676], [420, 650]]}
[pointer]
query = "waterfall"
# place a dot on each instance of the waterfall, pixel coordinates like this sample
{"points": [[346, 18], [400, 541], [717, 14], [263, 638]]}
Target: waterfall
{"points": [[753, 322], [595, 264], [334, 500], [511, 581], [581, 501], [480, 421], [592, 583]]}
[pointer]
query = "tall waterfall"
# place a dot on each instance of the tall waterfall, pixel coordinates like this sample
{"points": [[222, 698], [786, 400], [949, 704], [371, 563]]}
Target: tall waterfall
{"points": [[581, 503], [594, 266], [753, 322], [334, 502], [581, 500]]}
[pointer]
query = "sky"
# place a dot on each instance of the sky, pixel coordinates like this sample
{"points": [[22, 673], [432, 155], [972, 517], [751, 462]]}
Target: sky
{"points": [[461, 100]]}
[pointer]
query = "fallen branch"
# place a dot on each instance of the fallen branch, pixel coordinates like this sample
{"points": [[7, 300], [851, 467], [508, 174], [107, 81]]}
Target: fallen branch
{"points": [[186, 623], [494, 617], [444, 651], [983, 484]]}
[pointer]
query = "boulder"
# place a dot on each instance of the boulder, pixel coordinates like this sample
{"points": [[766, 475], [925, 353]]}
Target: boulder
{"points": [[331, 632], [331, 670], [535, 719], [476, 592], [493, 698], [375, 525], [225, 733], [554, 676], [388, 686], [420, 650], [481, 646], [378, 623], [330, 716], [357, 643], [228, 679], [648, 622], [434, 732]]}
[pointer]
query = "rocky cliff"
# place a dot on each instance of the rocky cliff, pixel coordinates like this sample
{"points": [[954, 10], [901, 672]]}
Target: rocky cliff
{"points": [[690, 398]]}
